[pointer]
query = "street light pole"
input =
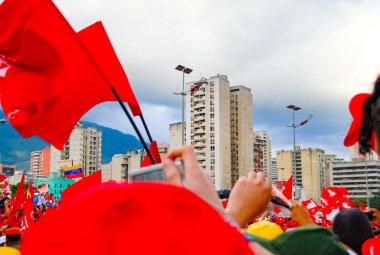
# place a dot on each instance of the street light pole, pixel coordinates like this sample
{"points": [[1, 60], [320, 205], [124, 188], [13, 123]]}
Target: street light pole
{"points": [[295, 184], [366, 179], [184, 70]]}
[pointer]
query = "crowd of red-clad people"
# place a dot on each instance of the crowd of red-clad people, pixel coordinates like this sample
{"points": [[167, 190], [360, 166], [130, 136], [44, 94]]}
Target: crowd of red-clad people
{"points": [[182, 216]]}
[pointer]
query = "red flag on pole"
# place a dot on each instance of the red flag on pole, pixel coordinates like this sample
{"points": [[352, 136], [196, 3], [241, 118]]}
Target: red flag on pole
{"points": [[74, 190], [99, 45], [2, 177], [153, 148], [48, 79], [18, 200], [288, 188]]}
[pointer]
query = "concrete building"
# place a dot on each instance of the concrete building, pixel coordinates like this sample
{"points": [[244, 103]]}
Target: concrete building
{"points": [[330, 159], [8, 170], [83, 147], [175, 130], [274, 170], [40, 162], [209, 128], [360, 177], [163, 149], [241, 101], [56, 185], [262, 147], [310, 169], [118, 168]]}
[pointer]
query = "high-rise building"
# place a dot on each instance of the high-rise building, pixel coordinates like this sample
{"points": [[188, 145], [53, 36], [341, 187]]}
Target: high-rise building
{"points": [[310, 170], [262, 152], [83, 147], [40, 162], [219, 127], [208, 122], [360, 177], [274, 170], [241, 131]]}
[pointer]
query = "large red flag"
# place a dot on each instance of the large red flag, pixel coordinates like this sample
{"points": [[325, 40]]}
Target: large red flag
{"points": [[74, 190], [288, 188], [3, 177], [98, 44], [155, 154], [18, 200], [48, 78]]}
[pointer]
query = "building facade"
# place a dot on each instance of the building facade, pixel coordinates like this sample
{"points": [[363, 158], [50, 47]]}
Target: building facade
{"points": [[274, 171], [208, 122], [262, 153], [83, 147], [360, 177], [309, 168], [8, 170], [175, 130], [40, 162], [241, 102]]}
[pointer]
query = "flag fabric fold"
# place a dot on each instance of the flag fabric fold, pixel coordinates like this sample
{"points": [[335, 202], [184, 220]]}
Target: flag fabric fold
{"points": [[153, 148], [48, 78], [288, 188]]}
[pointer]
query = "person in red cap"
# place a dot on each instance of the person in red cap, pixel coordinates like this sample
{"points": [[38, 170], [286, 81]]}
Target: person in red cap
{"points": [[13, 236], [188, 217]]}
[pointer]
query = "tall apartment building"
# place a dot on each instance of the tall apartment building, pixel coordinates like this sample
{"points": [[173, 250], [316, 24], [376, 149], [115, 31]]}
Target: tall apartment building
{"points": [[274, 170], [241, 131], [262, 147], [208, 122], [310, 170], [219, 126], [360, 177], [40, 162], [83, 147]]}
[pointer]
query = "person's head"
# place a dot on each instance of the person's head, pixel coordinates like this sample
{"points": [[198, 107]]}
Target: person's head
{"points": [[370, 121], [353, 228], [13, 236], [140, 218]]}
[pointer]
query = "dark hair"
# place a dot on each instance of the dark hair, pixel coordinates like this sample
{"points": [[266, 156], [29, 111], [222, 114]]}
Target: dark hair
{"points": [[353, 228], [367, 122]]}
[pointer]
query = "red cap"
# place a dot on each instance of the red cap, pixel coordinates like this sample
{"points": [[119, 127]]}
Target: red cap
{"points": [[117, 219], [371, 246]]}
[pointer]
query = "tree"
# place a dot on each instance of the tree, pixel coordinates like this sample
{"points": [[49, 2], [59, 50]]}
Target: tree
{"points": [[374, 201], [359, 200]]}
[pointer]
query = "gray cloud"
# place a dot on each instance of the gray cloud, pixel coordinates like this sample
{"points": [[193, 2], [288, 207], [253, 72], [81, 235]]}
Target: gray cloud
{"points": [[315, 54]]}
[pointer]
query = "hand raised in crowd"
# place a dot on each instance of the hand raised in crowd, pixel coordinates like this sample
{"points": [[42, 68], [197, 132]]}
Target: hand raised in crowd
{"points": [[300, 214], [249, 197], [195, 178], [376, 214]]}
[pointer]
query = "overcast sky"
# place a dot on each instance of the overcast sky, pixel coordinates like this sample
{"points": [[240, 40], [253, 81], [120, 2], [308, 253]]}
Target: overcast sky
{"points": [[313, 54]]}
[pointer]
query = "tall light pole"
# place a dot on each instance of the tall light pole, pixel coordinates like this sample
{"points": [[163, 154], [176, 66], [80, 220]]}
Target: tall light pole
{"points": [[294, 109], [184, 70], [2, 121], [366, 179]]}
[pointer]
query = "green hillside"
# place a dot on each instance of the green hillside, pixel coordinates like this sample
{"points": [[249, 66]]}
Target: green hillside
{"points": [[15, 149]]}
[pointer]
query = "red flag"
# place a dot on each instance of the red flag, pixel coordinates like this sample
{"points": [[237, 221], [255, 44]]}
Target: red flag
{"points": [[312, 207], [48, 79], [155, 153], [288, 188], [74, 190], [3, 177], [97, 42], [18, 200], [361, 207]]}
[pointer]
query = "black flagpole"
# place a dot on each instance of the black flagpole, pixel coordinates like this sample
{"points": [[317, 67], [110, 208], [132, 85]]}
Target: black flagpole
{"points": [[134, 125], [146, 128]]}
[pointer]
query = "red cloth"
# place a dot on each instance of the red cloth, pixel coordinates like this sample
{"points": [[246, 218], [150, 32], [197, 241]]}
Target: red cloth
{"points": [[155, 153], [97, 42], [288, 188], [48, 79], [371, 246], [3, 177], [73, 191], [118, 221], [18, 202], [312, 207], [361, 207]]}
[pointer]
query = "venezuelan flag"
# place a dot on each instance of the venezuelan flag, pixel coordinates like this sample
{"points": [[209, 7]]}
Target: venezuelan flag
{"points": [[73, 171]]}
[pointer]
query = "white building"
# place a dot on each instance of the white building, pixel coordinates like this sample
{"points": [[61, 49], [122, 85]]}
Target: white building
{"points": [[262, 147], [175, 130], [274, 170], [121, 164], [83, 147], [356, 176]]}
